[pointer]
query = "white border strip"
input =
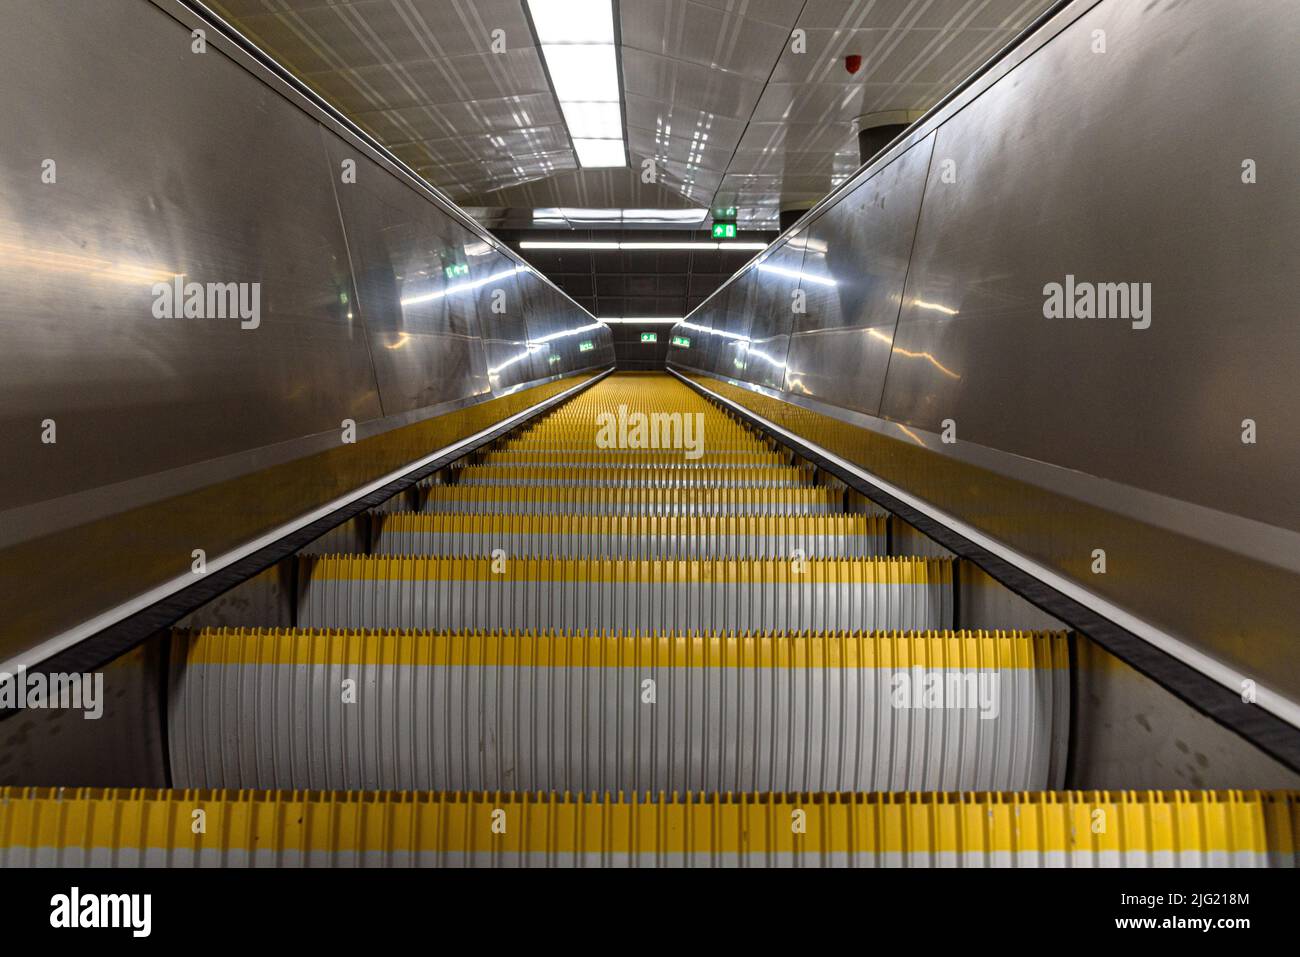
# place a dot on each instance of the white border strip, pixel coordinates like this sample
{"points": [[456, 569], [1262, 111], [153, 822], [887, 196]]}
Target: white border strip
{"points": [[1270, 701], [64, 640]]}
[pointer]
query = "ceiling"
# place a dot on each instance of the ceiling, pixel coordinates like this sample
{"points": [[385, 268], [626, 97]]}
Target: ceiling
{"points": [[713, 92]]}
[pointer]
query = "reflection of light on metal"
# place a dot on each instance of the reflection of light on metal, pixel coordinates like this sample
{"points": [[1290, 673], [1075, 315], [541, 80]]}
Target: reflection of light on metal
{"points": [[792, 382], [568, 332], [92, 267], [461, 287], [796, 274], [716, 332], [877, 334], [402, 339], [496, 370], [937, 307], [760, 354], [910, 434], [808, 244]]}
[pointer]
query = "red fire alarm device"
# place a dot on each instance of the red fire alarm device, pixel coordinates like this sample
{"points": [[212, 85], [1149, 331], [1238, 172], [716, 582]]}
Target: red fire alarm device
{"points": [[853, 62]]}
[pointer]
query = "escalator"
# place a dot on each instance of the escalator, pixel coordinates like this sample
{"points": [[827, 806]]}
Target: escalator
{"points": [[633, 632]]}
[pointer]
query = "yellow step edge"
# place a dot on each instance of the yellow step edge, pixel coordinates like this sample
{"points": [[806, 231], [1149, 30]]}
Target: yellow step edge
{"points": [[966, 650], [1233, 822]]}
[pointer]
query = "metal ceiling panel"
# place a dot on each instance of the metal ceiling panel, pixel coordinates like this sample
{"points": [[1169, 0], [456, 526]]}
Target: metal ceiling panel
{"points": [[714, 91]]}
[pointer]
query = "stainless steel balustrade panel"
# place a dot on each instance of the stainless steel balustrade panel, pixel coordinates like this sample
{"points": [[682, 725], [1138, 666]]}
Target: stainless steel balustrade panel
{"points": [[168, 164], [505, 333], [1100, 167], [423, 334], [855, 263], [773, 317], [731, 353]]}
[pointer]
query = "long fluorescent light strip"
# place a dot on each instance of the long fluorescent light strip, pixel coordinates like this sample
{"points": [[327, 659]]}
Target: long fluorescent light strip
{"points": [[577, 40], [541, 244], [641, 321], [572, 214]]}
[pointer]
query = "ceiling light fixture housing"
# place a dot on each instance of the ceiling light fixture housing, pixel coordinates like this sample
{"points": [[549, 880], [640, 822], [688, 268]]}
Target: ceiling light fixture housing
{"points": [[578, 46]]}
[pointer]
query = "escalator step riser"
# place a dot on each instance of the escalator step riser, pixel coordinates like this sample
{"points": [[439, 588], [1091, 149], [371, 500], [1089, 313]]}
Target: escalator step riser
{"points": [[631, 501], [78, 828], [637, 713], [656, 478], [636, 458], [754, 595], [601, 537]]}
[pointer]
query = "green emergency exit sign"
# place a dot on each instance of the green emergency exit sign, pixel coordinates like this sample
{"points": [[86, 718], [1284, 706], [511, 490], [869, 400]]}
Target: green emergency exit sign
{"points": [[649, 337], [456, 269], [585, 346], [682, 341], [724, 230]]}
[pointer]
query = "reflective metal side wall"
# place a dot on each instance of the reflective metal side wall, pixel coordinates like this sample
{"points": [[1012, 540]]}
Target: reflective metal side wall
{"points": [[1080, 268], [321, 290]]}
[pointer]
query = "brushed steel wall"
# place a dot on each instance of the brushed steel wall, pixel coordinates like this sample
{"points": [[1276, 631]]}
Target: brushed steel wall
{"points": [[129, 160], [1109, 146]]}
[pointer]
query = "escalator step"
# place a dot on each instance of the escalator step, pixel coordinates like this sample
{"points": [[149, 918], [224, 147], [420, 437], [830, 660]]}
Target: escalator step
{"points": [[572, 712], [656, 476], [364, 591], [635, 537], [632, 501], [604, 458], [141, 828]]}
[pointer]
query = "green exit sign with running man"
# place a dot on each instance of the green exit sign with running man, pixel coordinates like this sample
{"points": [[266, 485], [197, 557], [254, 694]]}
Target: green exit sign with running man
{"points": [[649, 337]]}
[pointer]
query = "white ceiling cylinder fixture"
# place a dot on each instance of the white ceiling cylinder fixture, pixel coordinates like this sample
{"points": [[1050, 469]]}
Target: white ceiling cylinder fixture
{"points": [[577, 38]]}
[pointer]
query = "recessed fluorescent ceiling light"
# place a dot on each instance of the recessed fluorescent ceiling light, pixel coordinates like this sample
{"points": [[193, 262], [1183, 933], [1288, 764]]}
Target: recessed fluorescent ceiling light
{"points": [[559, 214], [724, 247], [577, 38], [600, 152], [646, 320], [593, 120], [573, 21]]}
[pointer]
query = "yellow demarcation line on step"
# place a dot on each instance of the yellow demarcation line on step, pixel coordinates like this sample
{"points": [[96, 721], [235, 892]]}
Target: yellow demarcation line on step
{"points": [[275, 823], [739, 571], [966, 650]]}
